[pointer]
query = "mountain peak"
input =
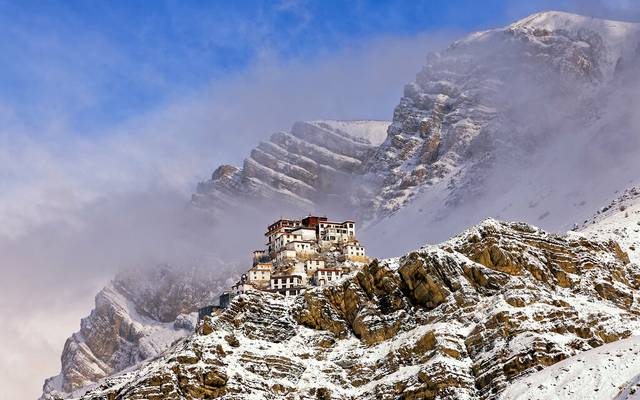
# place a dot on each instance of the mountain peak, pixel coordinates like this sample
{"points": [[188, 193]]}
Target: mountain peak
{"points": [[560, 20]]}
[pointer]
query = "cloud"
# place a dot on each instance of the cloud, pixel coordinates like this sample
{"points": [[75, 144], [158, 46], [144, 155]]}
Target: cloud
{"points": [[75, 208]]}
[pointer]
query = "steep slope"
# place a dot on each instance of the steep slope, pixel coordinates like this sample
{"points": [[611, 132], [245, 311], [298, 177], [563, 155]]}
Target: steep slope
{"points": [[139, 315], [619, 221], [310, 166], [607, 372], [455, 321]]}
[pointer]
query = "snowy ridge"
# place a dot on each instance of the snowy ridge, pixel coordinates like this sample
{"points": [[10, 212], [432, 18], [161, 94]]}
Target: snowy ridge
{"points": [[608, 372], [620, 37], [619, 221], [373, 132], [612, 31]]}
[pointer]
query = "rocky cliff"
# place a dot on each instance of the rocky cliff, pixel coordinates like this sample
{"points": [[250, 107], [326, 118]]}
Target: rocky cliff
{"points": [[140, 314], [461, 320], [310, 167]]}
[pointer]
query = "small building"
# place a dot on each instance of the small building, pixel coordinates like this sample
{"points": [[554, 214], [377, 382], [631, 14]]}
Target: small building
{"points": [[288, 285], [300, 246], [278, 228], [242, 285], [307, 234], [225, 299], [285, 255], [312, 221], [325, 275], [312, 265], [284, 239], [206, 311], [354, 251], [336, 232], [260, 274], [260, 257]]}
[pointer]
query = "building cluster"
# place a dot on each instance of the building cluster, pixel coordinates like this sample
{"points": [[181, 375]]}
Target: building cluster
{"points": [[299, 254]]}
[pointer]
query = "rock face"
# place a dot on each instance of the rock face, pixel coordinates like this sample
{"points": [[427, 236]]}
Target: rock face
{"points": [[312, 165], [460, 320], [136, 317]]}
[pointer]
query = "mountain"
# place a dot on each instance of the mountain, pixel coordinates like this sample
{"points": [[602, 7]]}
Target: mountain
{"points": [[308, 168], [461, 320], [139, 315], [530, 122]]}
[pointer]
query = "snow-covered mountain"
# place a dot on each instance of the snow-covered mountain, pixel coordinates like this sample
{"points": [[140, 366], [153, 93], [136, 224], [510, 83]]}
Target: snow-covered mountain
{"points": [[462, 320], [311, 167], [532, 122], [139, 315]]}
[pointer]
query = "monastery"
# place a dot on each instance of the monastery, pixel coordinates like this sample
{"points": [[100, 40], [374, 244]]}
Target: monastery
{"points": [[301, 253]]}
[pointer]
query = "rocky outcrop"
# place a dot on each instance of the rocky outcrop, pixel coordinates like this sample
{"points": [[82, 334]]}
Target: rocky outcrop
{"points": [[310, 166], [136, 317], [459, 320]]}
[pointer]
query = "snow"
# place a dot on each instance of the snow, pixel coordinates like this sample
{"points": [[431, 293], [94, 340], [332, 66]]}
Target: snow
{"points": [[558, 20], [619, 221], [600, 373], [618, 36], [373, 131]]}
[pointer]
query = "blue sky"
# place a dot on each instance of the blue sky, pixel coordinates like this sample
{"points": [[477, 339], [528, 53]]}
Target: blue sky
{"points": [[96, 63]]}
